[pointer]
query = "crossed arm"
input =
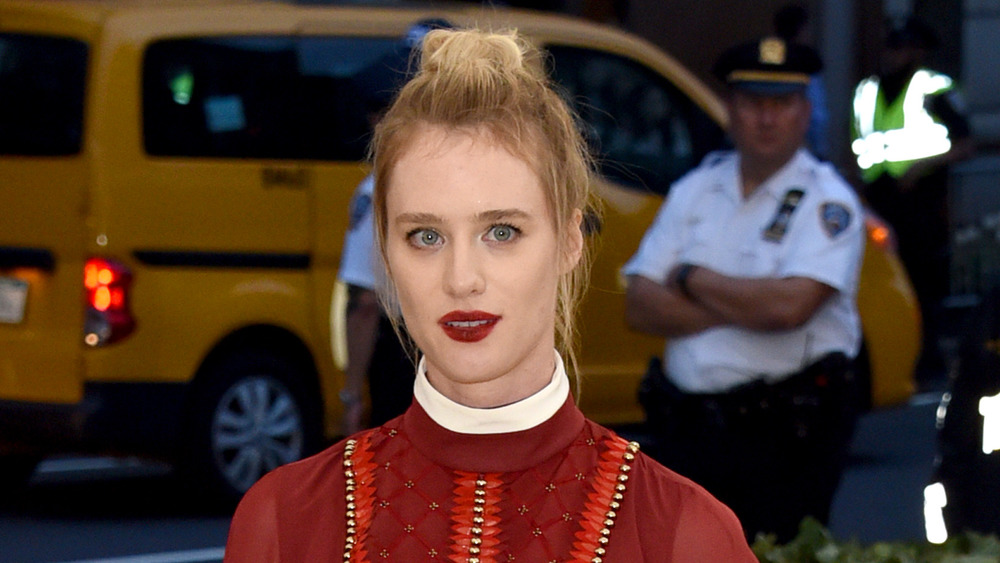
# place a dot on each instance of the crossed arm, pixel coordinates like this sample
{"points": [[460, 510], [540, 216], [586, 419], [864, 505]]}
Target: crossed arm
{"points": [[713, 299]]}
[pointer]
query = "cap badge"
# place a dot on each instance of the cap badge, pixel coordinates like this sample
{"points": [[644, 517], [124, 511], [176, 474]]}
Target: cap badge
{"points": [[772, 51]]}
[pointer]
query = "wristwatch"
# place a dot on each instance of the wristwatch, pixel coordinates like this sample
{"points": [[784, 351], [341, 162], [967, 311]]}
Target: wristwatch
{"points": [[681, 279]]}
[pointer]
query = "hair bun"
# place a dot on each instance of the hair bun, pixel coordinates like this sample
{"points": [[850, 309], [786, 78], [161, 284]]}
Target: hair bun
{"points": [[456, 51], [482, 66]]}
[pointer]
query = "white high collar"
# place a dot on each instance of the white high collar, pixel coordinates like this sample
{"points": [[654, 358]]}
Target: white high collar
{"points": [[522, 415]]}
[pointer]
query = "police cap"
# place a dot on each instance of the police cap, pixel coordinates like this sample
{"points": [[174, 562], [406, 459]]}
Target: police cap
{"points": [[768, 66]]}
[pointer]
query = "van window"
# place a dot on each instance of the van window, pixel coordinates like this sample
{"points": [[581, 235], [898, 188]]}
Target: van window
{"points": [[645, 132], [41, 94], [265, 97]]}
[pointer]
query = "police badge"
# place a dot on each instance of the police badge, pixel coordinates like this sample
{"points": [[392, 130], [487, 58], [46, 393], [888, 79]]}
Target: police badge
{"points": [[779, 225]]}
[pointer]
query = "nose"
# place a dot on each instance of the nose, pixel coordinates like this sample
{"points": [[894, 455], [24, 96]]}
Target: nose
{"points": [[464, 271], [768, 112]]}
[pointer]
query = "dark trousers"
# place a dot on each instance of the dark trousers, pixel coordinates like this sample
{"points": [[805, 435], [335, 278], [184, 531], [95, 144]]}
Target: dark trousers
{"points": [[773, 453]]}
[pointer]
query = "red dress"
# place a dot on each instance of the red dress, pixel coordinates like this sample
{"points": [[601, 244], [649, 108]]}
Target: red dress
{"points": [[421, 492]]}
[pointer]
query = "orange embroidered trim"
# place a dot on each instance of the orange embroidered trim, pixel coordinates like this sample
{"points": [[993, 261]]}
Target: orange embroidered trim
{"points": [[359, 473], [604, 501], [475, 524]]}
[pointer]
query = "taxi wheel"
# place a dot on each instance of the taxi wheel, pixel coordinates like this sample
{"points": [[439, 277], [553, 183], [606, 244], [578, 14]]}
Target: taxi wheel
{"points": [[251, 415]]}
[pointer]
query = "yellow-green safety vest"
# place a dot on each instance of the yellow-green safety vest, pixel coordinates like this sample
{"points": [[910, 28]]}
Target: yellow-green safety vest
{"points": [[890, 138]]}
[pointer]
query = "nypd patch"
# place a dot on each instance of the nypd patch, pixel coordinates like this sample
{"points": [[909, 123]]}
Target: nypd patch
{"points": [[835, 218]]}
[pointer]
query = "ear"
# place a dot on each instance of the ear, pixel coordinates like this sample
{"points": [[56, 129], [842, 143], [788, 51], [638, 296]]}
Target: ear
{"points": [[572, 242]]}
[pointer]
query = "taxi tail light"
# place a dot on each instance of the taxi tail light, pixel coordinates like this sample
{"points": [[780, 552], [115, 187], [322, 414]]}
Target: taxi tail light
{"points": [[107, 284], [879, 232]]}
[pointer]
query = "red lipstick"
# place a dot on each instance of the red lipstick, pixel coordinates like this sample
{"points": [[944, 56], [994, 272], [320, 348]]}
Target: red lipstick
{"points": [[468, 326]]}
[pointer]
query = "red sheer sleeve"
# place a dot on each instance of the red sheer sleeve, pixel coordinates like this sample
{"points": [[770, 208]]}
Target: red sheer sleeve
{"points": [[680, 522], [253, 533], [708, 531]]}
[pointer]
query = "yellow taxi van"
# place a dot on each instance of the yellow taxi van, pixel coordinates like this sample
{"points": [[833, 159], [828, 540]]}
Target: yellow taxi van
{"points": [[175, 178]]}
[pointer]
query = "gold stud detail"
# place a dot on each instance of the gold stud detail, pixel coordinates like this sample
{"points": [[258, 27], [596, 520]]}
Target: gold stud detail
{"points": [[351, 539], [478, 510], [628, 456]]}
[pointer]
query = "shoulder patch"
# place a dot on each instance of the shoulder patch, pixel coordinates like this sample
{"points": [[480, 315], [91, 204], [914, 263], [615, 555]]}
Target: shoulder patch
{"points": [[360, 206], [835, 218]]}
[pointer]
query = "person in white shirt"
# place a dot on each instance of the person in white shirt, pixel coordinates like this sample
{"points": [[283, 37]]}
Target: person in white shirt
{"points": [[750, 270]]}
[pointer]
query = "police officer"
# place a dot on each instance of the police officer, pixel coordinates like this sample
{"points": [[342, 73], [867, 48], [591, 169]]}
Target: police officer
{"points": [[750, 270], [375, 357], [907, 127]]}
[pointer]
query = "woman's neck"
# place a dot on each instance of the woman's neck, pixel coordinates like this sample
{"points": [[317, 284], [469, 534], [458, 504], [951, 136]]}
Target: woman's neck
{"points": [[522, 414]]}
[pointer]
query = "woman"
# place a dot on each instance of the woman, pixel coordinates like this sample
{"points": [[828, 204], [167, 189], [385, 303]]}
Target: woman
{"points": [[481, 179]]}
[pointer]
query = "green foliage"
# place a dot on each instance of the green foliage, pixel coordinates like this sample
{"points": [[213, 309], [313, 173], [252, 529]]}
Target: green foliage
{"points": [[814, 544]]}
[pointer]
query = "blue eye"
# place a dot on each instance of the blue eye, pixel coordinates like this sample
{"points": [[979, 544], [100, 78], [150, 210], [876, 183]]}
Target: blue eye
{"points": [[502, 233], [424, 237]]}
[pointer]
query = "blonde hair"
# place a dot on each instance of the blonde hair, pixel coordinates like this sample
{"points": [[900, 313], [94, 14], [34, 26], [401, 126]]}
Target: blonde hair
{"points": [[494, 83]]}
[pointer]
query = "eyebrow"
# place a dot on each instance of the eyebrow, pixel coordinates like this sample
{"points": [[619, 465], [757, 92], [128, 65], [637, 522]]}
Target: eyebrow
{"points": [[490, 216], [495, 215]]}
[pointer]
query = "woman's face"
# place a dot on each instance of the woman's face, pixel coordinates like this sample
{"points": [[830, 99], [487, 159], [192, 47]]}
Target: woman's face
{"points": [[473, 253]]}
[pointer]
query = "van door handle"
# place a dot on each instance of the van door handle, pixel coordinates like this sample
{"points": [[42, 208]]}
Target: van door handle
{"points": [[19, 257], [285, 177]]}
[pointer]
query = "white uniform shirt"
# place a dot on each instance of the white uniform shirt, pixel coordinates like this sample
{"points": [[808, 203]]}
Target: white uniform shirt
{"points": [[359, 261], [706, 221]]}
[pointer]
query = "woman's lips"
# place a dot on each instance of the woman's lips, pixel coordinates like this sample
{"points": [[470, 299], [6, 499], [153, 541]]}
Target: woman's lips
{"points": [[468, 326]]}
